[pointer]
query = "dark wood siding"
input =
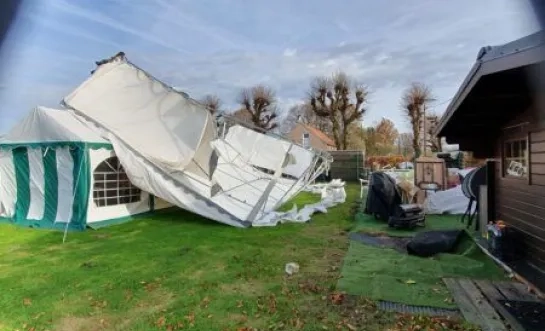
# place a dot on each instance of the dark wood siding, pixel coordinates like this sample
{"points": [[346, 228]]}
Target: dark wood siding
{"points": [[521, 202]]}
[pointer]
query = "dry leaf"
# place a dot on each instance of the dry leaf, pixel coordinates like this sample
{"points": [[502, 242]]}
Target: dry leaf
{"points": [[27, 302], [161, 321]]}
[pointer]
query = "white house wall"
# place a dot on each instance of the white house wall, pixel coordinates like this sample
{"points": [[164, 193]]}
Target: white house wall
{"points": [[97, 214], [8, 186]]}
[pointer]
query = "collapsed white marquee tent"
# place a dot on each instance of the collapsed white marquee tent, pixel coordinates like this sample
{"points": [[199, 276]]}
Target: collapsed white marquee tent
{"points": [[169, 146], [56, 172]]}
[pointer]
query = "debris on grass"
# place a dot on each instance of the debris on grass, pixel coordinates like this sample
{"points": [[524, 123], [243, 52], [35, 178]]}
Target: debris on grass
{"points": [[292, 268]]}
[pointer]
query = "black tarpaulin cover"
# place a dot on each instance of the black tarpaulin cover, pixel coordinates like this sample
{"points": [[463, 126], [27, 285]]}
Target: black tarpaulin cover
{"points": [[383, 196], [429, 243]]}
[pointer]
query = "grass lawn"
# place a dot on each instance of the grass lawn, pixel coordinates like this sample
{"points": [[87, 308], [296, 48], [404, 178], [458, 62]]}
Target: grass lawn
{"points": [[386, 274], [176, 271]]}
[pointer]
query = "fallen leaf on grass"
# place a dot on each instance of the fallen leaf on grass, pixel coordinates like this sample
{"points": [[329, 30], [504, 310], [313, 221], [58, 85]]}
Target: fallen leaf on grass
{"points": [[410, 281], [27, 302], [350, 327], [160, 322], [337, 298]]}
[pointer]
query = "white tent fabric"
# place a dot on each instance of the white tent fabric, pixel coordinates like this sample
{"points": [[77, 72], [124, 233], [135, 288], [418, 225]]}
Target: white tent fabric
{"points": [[168, 129], [264, 151], [8, 187], [65, 170], [451, 201], [169, 147], [50, 125], [332, 194], [37, 184]]}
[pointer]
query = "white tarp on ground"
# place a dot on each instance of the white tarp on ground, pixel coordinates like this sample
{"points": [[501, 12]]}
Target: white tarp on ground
{"points": [[332, 194], [451, 201], [169, 147]]}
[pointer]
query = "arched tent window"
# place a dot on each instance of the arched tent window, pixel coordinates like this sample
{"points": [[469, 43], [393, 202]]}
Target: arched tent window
{"points": [[112, 186]]}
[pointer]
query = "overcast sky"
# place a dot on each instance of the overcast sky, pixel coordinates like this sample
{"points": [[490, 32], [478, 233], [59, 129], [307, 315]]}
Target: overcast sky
{"points": [[221, 46]]}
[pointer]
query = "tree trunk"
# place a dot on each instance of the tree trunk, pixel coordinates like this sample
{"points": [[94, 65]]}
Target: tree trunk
{"points": [[416, 143]]}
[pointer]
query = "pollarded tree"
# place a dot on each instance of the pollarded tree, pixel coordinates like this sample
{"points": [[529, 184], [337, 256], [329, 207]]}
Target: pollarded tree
{"points": [[260, 104], [340, 102], [414, 102], [212, 103]]}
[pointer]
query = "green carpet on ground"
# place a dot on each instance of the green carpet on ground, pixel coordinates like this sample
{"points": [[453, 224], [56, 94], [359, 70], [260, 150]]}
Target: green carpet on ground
{"points": [[385, 274], [367, 223]]}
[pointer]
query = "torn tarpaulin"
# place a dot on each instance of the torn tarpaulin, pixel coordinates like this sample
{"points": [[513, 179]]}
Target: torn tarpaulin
{"points": [[332, 194]]}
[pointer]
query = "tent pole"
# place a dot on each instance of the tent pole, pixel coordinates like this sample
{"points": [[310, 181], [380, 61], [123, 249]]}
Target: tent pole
{"points": [[73, 197]]}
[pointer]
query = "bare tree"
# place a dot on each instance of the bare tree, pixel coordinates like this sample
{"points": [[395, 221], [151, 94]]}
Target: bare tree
{"points": [[212, 103], [260, 102], [414, 102], [331, 99]]}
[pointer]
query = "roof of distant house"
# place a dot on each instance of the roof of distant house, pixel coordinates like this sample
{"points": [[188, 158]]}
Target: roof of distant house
{"points": [[319, 134]]}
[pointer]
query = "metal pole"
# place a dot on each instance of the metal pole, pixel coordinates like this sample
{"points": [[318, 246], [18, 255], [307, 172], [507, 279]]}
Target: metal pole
{"points": [[425, 133]]}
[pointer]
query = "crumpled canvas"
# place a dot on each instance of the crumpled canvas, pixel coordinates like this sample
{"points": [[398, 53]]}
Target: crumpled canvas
{"points": [[332, 194]]}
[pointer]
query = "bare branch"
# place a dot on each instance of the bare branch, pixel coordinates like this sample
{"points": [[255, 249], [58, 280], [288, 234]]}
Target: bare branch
{"points": [[212, 103], [260, 102]]}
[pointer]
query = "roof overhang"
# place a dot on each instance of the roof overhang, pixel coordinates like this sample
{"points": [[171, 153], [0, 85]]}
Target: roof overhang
{"points": [[497, 87]]}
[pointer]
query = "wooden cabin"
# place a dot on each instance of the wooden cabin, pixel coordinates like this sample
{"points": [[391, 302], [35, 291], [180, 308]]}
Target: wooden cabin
{"points": [[498, 113]]}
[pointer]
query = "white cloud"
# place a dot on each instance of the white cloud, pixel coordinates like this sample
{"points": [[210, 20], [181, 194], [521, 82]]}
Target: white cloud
{"points": [[211, 46], [290, 52]]}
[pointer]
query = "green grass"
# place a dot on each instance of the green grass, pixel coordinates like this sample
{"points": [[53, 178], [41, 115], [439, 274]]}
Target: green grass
{"points": [[175, 271], [385, 274]]}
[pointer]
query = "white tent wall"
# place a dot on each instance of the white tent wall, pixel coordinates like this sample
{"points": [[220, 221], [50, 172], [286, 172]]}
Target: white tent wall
{"points": [[65, 184], [8, 186], [36, 184], [108, 213]]}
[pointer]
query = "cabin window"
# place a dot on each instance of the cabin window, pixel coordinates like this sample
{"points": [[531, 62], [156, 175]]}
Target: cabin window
{"points": [[112, 185], [515, 158]]}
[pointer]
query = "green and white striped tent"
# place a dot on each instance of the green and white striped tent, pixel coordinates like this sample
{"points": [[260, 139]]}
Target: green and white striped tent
{"points": [[57, 172]]}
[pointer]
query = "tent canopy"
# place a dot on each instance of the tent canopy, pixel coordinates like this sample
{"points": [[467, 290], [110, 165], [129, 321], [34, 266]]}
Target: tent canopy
{"points": [[47, 126]]}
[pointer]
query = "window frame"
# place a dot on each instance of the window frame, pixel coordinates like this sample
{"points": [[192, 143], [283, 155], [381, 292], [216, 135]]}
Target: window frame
{"points": [[506, 161], [109, 176]]}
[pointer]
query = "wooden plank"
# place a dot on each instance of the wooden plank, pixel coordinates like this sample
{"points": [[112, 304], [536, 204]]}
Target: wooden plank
{"points": [[490, 319], [468, 310], [538, 157], [537, 168], [538, 180], [493, 295], [538, 136], [515, 291], [531, 215], [537, 147], [518, 185]]}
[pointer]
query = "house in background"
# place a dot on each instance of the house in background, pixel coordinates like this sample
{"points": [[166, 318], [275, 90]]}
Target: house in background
{"points": [[310, 137], [499, 113]]}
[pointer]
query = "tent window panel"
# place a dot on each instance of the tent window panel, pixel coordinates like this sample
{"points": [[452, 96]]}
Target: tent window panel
{"points": [[112, 185]]}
